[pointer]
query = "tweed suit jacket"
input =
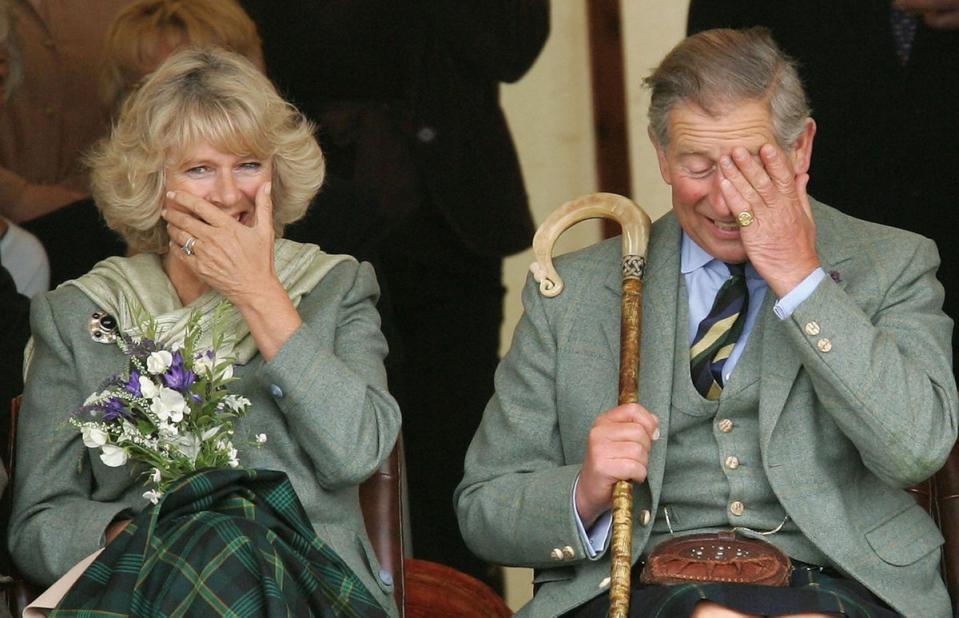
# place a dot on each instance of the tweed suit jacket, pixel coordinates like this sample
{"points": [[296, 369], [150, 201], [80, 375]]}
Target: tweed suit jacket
{"points": [[841, 431], [322, 401]]}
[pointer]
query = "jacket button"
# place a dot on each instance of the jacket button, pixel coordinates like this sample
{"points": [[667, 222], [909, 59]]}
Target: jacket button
{"points": [[725, 425], [644, 517], [426, 134], [824, 345], [812, 328], [604, 582], [569, 553], [556, 554], [386, 577], [732, 462], [276, 391], [737, 508]]}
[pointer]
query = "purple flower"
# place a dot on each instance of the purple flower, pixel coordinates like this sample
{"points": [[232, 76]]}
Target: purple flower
{"points": [[178, 377], [114, 409], [132, 385]]}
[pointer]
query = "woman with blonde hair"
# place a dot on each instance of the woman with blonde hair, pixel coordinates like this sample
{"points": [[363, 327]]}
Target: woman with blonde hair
{"points": [[205, 167]]}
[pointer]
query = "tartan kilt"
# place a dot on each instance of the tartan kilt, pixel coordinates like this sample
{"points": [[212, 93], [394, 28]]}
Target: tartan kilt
{"points": [[221, 542]]}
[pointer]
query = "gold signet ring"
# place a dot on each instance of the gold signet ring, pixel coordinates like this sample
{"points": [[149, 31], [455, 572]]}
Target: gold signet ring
{"points": [[745, 218]]}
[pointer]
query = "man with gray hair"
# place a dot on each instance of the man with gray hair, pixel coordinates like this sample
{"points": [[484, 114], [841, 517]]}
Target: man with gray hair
{"points": [[795, 377]]}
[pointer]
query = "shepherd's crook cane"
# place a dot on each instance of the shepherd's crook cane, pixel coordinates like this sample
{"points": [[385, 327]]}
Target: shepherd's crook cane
{"points": [[635, 226]]}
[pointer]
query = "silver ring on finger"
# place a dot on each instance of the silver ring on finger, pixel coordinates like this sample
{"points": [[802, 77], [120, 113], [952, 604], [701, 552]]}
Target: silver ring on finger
{"points": [[745, 218], [188, 245]]}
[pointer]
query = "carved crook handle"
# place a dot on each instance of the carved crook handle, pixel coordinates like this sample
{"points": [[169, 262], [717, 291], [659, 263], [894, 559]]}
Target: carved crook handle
{"points": [[631, 218]]}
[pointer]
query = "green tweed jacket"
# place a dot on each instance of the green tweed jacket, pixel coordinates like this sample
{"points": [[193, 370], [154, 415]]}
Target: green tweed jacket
{"points": [[843, 427], [322, 401]]}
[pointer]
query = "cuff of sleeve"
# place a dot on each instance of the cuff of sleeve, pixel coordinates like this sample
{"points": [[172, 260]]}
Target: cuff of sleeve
{"points": [[786, 305], [294, 366], [90, 527], [596, 539]]}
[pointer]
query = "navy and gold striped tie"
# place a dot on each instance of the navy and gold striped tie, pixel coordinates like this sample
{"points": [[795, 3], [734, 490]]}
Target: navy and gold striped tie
{"points": [[718, 332]]}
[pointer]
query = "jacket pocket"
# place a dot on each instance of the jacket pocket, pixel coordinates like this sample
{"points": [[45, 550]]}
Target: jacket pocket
{"points": [[905, 537], [542, 576]]}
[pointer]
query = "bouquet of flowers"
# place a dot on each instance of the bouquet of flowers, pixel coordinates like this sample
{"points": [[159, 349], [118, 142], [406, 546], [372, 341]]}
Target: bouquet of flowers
{"points": [[169, 411]]}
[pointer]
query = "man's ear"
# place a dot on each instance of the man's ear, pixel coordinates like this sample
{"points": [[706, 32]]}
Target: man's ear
{"points": [[660, 156], [802, 149]]}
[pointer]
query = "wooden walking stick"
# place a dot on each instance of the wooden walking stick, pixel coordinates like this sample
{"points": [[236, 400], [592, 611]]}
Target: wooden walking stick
{"points": [[635, 226]]}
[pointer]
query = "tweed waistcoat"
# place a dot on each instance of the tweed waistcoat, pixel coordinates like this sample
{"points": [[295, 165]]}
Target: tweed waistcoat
{"points": [[714, 477]]}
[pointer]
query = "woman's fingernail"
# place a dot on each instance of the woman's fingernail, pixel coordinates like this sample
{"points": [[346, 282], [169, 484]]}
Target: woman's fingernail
{"points": [[656, 434], [170, 194]]}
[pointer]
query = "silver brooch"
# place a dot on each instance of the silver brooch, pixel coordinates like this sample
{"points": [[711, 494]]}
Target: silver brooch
{"points": [[103, 327]]}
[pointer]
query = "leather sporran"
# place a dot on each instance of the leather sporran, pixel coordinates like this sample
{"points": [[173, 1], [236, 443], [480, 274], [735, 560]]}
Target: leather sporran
{"points": [[717, 557]]}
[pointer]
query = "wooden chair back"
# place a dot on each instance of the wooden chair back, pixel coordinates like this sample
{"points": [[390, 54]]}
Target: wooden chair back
{"points": [[939, 495], [381, 498]]}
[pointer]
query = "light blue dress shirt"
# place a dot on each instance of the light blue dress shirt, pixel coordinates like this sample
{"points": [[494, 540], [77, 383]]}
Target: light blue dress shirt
{"points": [[704, 275]]}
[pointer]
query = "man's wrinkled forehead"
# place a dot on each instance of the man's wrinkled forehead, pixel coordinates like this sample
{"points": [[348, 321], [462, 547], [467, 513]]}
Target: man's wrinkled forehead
{"points": [[693, 130]]}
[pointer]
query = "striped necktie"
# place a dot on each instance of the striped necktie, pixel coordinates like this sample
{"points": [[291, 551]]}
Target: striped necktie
{"points": [[718, 332]]}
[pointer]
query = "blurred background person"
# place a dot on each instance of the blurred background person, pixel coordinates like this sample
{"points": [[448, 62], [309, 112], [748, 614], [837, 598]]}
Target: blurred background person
{"points": [[147, 31], [56, 113], [407, 99], [20, 251]]}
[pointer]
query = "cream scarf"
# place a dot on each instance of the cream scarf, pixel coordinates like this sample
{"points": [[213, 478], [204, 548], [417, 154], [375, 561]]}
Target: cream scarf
{"points": [[130, 289]]}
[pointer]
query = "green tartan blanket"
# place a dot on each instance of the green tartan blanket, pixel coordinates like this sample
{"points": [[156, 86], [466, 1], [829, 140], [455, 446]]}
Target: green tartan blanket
{"points": [[221, 543]]}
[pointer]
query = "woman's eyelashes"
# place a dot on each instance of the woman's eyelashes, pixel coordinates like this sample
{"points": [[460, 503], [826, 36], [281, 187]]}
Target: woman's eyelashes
{"points": [[201, 171]]}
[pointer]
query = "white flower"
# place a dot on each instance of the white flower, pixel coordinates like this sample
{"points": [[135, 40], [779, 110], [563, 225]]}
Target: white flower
{"points": [[169, 405], [203, 365], [93, 436], [189, 445], [209, 433], [261, 438], [167, 430], [227, 372], [153, 496], [155, 477], [236, 403], [160, 361], [148, 387], [113, 456]]}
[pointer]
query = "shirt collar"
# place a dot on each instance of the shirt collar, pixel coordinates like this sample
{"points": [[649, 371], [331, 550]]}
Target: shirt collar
{"points": [[693, 257]]}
